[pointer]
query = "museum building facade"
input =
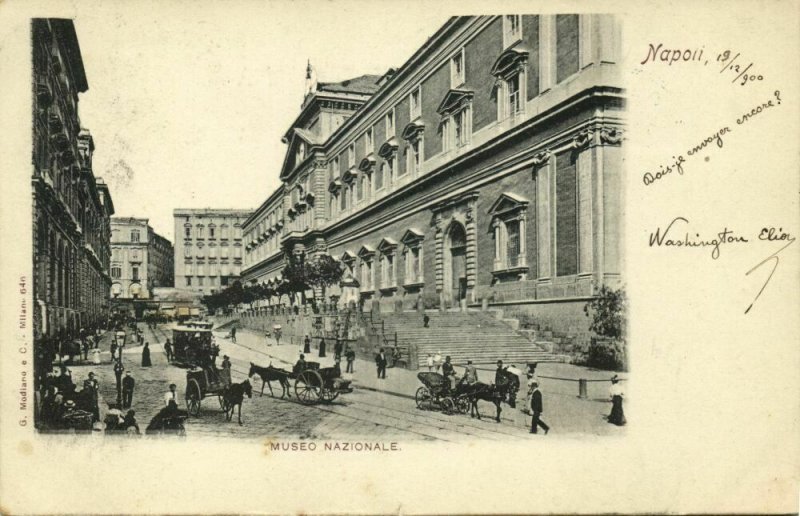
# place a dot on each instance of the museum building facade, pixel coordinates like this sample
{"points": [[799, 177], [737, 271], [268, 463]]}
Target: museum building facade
{"points": [[485, 171]]}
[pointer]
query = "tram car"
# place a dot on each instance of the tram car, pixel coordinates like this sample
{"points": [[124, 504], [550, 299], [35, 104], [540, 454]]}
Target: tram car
{"points": [[191, 346]]}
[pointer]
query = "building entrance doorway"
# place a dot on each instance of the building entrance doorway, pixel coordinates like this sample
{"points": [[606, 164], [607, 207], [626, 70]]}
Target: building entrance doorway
{"points": [[457, 251]]}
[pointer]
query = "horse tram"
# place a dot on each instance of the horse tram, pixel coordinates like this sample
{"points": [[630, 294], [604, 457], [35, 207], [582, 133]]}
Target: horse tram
{"points": [[312, 384], [435, 393]]}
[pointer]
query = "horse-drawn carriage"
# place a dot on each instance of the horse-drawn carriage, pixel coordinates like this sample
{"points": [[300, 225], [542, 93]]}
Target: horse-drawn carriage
{"points": [[436, 393], [205, 382], [312, 383]]}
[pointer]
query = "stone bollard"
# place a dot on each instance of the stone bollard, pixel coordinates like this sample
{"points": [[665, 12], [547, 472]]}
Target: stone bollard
{"points": [[582, 390]]}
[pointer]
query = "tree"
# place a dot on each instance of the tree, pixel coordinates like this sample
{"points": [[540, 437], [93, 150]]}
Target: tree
{"points": [[324, 272], [607, 311], [608, 316]]}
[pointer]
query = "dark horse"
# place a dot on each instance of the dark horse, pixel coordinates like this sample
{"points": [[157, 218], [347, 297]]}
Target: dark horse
{"points": [[269, 374], [234, 395], [503, 391]]}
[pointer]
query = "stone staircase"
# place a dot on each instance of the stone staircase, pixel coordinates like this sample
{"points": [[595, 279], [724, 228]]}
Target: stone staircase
{"points": [[476, 336]]}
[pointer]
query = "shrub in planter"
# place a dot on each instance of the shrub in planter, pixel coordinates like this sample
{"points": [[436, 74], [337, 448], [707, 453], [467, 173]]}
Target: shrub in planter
{"points": [[606, 353]]}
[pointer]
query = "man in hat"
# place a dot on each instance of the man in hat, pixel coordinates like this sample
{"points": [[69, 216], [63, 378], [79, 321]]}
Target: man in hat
{"points": [[300, 366], [498, 373], [380, 361], [168, 350], [449, 372], [128, 384], [537, 409]]}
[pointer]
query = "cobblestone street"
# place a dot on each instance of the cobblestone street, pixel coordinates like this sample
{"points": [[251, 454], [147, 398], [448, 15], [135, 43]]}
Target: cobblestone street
{"points": [[377, 409]]}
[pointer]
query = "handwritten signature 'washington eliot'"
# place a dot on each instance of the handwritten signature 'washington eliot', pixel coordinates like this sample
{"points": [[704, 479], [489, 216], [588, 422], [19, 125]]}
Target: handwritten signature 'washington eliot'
{"points": [[663, 237]]}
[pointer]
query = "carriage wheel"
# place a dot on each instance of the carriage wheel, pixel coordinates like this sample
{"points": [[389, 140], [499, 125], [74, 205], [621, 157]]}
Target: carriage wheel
{"points": [[448, 407], [193, 397], [328, 395], [422, 397], [308, 387], [462, 404]]}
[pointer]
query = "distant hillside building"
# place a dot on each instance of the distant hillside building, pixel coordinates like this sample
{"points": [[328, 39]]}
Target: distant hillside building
{"points": [[141, 259], [208, 248]]}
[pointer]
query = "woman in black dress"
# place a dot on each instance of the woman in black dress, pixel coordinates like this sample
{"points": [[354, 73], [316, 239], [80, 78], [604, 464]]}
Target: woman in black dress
{"points": [[617, 416], [146, 355], [307, 345], [321, 348]]}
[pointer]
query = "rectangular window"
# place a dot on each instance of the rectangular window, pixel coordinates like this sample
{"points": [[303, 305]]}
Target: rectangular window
{"points": [[514, 101], [414, 103], [389, 124], [512, 29], [389, 178], [369, 142], [188, 281], [135, 235], [135, 273], [446, 146], [200, 281], [187, 232], [566, 46], [351, 155], [116, 272], [462, 127], [457, 69], [566, 216], [211, 232], [362, 186], [343, 198], [512, 243], [379, 176], [223, 280]]}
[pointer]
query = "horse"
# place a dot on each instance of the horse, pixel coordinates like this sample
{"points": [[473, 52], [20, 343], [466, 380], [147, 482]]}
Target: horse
{"points": [[234, 395], [504, 391], [268, 374]]}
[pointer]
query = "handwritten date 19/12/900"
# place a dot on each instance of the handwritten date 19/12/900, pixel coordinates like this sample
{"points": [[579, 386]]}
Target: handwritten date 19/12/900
{"points": [[669, 237]]}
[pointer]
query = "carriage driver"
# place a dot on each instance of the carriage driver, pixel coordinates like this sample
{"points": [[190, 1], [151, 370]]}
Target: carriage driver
{"points": [[449, 373], [300, 366]]}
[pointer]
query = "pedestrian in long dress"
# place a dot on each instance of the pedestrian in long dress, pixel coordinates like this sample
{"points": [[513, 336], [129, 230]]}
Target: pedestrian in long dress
{"points": [[321, 348], [617, 416], [146, 355], [307, 345]]}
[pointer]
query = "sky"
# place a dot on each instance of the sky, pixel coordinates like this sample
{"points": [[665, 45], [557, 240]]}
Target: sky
{"points": [[187, 107]]}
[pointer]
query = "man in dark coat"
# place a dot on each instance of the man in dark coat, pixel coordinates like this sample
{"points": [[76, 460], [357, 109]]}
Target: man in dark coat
{"points": [[537, 409], [449, 373], [380, 361], [168, 350], [128, 384]]}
